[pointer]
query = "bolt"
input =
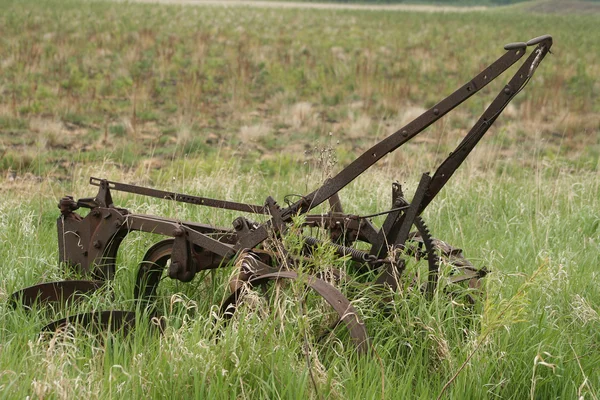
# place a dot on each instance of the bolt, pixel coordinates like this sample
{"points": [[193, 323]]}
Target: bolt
{"points": [[238, 224], [436, 111], [507, 90], [177, 232], [97, 244], [117, 224]]}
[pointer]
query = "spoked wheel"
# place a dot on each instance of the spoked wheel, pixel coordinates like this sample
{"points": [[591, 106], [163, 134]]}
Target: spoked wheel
{"points": [[303, 310], [462, 273]]}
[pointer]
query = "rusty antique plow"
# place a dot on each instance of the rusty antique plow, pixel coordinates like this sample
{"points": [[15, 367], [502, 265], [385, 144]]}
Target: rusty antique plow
{"points": [[90, 244]]}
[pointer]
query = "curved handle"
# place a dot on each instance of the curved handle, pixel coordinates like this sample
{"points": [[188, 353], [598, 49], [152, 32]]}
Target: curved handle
{"points": [[539, 39], [530, 42], [516, 45]]}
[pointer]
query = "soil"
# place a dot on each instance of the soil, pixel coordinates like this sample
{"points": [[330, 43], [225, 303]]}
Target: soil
{"points": [[548, 6], [565, 7], [321, 6]]}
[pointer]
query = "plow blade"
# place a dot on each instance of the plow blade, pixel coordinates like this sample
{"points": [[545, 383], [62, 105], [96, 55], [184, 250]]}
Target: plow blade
{"points": [[56, 292]]}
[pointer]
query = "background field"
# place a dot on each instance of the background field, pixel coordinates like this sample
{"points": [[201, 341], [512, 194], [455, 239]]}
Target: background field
{"points": [[242, 103], [89, 82]]}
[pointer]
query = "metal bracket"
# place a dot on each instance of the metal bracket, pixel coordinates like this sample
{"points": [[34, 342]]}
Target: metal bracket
{"points": [[183, 266]]}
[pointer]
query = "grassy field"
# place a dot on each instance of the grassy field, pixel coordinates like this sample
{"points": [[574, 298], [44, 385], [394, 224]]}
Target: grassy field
{"points": [[440, 2], [88, 82], [241, 103]]}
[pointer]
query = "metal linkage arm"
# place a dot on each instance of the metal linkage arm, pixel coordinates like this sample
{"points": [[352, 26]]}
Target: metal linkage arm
{"points": [[403, 135], [514, 52], [514, 86], [182, 198]]}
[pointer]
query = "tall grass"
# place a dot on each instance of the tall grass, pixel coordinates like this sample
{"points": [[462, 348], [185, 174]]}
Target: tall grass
{"points": [[239, 104], [532, 334]]}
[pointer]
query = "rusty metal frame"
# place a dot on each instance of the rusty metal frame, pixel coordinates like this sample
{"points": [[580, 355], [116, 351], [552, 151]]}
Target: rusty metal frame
{"points": [[91, 243]]}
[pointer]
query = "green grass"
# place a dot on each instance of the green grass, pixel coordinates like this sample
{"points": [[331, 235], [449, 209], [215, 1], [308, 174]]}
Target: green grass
{"points": [[438, 2], [535, 331], [238, 104]]}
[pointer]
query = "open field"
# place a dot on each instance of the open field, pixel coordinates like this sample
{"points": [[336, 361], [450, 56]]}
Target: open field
{"points": [[319, 5], [241, 103], [88, 82]]}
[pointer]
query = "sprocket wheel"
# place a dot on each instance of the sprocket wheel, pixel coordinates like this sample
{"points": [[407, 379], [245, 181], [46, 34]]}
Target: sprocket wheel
{"points": [[436, 252]]}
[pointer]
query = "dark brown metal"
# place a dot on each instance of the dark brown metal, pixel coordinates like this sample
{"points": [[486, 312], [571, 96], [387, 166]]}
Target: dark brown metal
{"points": [[182, 198], [397, 139], [516, 84], [90, 244], [58, 292], [513, 46]]}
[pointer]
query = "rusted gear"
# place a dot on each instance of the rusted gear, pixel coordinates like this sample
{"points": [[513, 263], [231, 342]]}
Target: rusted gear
{"points": [[421, 245], [423, 235], [436, 251], [444, 253]]}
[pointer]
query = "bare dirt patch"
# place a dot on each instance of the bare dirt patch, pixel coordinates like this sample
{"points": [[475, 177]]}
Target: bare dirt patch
{"points": [[320, 6], [568, 7]]}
